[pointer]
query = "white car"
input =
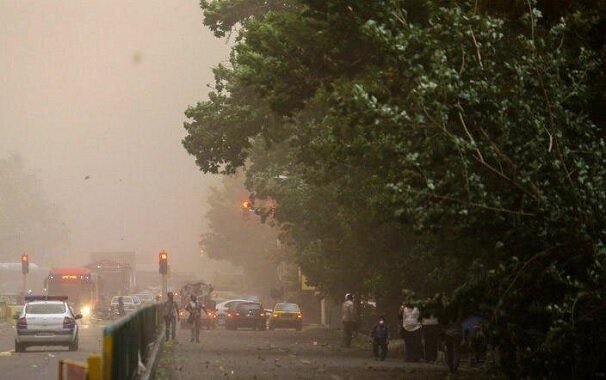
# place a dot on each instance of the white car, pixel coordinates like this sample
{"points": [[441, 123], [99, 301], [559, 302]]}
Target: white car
{"points": [[129, 304], [46, 321], [137, 300], [146, 298]]}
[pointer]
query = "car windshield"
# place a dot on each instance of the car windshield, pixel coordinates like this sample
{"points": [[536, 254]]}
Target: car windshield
{"points": [[45, 308], [249, 307], [290, 307]]}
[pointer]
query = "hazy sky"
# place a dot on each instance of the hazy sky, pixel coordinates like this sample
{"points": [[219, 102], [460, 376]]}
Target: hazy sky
{"points": [[98, 88]]}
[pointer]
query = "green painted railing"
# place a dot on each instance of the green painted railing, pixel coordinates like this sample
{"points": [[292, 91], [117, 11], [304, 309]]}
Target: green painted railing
{"points": [[127, 340], [4, 311]]}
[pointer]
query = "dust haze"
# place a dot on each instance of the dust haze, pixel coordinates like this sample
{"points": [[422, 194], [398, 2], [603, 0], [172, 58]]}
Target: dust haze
{"points": [[92, 95]]}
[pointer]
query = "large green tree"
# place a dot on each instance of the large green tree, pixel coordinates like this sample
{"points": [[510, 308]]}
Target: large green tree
{"points": [[430, 145]]}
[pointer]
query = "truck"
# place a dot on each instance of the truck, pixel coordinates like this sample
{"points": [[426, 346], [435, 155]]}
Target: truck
{"points": [[115, 272]]}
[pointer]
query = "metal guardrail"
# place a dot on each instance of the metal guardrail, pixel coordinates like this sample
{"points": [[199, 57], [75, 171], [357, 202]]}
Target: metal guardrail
{"points": [[127, 341], [4, 311]]}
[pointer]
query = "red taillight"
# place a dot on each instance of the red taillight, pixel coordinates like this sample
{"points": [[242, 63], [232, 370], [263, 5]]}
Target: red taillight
{"points": [[22, 323], [228, 315], [237, 314], [68, 323]]}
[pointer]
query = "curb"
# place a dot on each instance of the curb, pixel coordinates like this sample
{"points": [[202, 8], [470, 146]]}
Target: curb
{"points": [[152, 359]]}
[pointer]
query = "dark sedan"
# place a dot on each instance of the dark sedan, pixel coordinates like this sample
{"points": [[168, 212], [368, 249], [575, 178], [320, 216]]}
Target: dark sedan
{"points": [[246, 314]]}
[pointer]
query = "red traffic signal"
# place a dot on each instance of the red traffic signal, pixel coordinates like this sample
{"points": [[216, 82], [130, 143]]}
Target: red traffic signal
{"points": [[163, 262], [24, 264]]}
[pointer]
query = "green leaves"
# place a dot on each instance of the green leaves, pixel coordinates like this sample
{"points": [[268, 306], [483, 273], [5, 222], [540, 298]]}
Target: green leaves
{"points": [[407, 143]]}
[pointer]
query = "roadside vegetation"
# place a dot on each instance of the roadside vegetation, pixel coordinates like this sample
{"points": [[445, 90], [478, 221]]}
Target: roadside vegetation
{"points": [[450, 149]]}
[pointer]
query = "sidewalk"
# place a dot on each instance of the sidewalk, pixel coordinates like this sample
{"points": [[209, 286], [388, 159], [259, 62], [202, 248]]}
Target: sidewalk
{"points": [[281, 354]]}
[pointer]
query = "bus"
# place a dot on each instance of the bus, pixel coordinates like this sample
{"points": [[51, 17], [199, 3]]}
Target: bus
{"points": [[80, 285]]}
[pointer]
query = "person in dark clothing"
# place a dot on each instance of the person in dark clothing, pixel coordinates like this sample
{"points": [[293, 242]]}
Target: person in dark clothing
{"points": [[431, 337], [171, 314], [380, 339]]}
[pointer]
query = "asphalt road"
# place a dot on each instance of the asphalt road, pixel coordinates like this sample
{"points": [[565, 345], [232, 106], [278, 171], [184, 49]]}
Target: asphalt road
{"points": [[313, 353], [41, 363]]}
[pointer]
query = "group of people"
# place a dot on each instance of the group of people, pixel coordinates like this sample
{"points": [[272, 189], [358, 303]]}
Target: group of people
{"points": [[421, 336], [170, 312]]}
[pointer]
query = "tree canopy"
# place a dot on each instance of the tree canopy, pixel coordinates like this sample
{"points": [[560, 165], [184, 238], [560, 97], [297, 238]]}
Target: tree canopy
{"points": [[429, 146]]}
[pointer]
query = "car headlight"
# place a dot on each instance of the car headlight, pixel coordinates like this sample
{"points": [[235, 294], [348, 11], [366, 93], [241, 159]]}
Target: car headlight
{"points": [[85, 311]]}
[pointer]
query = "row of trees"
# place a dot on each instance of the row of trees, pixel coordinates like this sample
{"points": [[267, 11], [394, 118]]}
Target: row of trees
{"points": [[452, 149], [29, 223]]}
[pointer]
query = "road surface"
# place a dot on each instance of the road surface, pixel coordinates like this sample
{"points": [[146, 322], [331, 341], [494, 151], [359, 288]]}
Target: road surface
{"points": [[281, 354], [40, 363]]}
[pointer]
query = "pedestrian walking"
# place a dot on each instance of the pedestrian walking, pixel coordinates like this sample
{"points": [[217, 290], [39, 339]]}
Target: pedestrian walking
{"points": [[171, 313], [194, 308], [348, 319], [380, 339], [121, 311], [431, 337], [411, 331]]}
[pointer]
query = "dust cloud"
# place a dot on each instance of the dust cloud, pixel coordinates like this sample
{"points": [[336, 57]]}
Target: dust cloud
{"points": [[92, 95]]}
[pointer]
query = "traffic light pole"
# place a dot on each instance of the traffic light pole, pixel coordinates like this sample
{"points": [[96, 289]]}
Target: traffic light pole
{"points": [[24, 285], [163, 268], [25, 271]]}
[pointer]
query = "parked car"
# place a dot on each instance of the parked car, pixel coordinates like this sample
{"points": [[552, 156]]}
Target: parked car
{"points": [[246, 314], [46, 321], [286, 315]]}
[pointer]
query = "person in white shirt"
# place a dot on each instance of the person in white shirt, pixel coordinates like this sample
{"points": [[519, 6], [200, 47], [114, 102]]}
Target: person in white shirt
{"points": [[411, 330], [348, 318]]}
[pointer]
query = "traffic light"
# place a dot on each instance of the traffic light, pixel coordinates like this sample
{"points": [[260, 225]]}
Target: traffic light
{"points": [[24, 264], [163, 262]]}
